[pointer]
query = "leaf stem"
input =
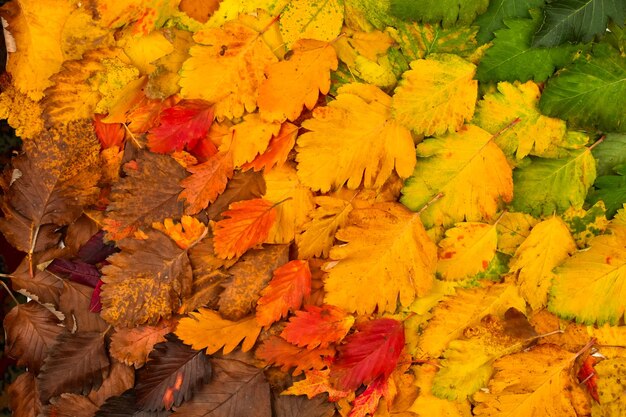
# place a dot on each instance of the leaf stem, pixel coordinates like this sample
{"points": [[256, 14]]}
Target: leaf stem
{"points": [[6, 287], [599, 141], [433, 200], [505, 128]]}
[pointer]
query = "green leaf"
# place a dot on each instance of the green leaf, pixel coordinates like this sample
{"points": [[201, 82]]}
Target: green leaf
{"points": [[511, 58], [611, 189], [548, 185], [449, 12], [577, 20], [363, 15], [420, 40], [591, 92], [610, 153], [493, 18]]}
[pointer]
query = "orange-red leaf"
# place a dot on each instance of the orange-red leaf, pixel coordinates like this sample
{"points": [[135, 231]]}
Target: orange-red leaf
{"points": [[278, 352], [587, 374], [277, 150], [146, 115], [317, 382], [367, 402], [290, 284], [371, 352], [186, 233], [181, 125], [109, 134], [207, 182], [246, 224], [318, 326]]}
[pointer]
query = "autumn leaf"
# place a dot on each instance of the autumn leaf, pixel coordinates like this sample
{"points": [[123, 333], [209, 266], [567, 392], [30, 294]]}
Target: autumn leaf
{"points": [[513, 229], [120, 379], [30, 332], [67, 405], [77, 271], [610, 384], [242, 186], [133, 345], [289, 406], [77, 304], [289, 285], [387, 249], [310, 63], [277, 151], [186, 233], [367, 402], [352, 140], [24, 396], [368, 354], [317, 326], [455, 165], [431, 108], [279, 352], [542, 384], [207, 330], [182, 125], [587, 375], [309, 19], [467, 250], [161, 275], [109, 134], [429, 405], [245, 225], [316, 382], [248, 277], [171, 376]]}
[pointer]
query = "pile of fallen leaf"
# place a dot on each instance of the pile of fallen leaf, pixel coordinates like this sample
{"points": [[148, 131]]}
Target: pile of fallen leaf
{"points": [[315, 208]]}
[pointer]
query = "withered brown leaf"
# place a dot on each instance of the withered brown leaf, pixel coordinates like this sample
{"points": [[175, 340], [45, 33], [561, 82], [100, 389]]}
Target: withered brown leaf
{"points": [[24, 396], [133, 345], [242, 186], [121, 378], [70, 405], [75, 304]]}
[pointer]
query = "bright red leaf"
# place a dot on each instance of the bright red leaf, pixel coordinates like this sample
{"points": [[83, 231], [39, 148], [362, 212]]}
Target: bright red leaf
{"points": [[246, 224], [181, 125], [318, 326], [371, 352], [587, 374], [109, 134], [290, 284], [367, 402]]}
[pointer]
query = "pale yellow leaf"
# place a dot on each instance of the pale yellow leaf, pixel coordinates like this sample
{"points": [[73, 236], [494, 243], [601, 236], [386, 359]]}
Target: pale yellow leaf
{"points": [[467, 250], [143, 50], [513, 229], [311, 19]]}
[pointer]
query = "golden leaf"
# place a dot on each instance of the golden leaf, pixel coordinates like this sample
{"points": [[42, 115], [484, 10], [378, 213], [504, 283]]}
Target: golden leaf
{"points": [[467, 250]]}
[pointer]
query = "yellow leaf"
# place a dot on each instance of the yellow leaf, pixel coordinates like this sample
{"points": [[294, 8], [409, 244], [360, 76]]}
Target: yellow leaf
{"points": [[354, 140], [163, 81], [22, 113], [143, 50], [237, 57], [36, 26], [282, 184], [206, 329], [467, 307], [467, 250], [530, 383], [437, 95], [387, 258], [186, 233], [297, 82], [611, 386], [427, 405], [598, 274], [231, 9], [548, 244], [81, 33], [318, 234], [534, 134], [145, 15], [513, 229], [311, 19], [249, 138], [457, 165]]}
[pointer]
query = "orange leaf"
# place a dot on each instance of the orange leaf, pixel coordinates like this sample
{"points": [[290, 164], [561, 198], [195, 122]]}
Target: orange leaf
{"points": [[207, 182], [109, 134], [318, 326], [146, 115], [587, 375], [248, 225], [186, 233], [367, 402], [317, 382], [297, 81], [290, 284], [277, 151], [279, 352], [133, 345]]}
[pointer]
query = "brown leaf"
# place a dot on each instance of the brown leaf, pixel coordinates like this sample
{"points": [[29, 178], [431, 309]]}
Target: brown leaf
{"points": [[242, 186], [120, 379], [42, 286], [132, 346], [149, 193], [125, 405], [77, 363], [75, 304], [70, 405], [171, 376], [301, 406], [30, 331], [237, 390], [50, 184], [249, 276], [24, 396], [145, 281], [79, 232]]}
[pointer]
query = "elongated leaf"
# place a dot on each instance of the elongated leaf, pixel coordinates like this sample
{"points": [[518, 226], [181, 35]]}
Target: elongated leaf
{"points": [[171, 376], [77, 271]]}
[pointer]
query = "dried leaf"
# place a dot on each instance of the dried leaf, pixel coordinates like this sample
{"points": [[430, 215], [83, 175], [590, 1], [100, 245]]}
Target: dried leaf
{"points": [[207, 182], [318, 326], [133, 345], [24, 396], [242, 186], [278, 352]]}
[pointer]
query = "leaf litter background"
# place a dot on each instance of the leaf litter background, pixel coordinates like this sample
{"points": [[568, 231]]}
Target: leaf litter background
{"points": [[317, 208]]}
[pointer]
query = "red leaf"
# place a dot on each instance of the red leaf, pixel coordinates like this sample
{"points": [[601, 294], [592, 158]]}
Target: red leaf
{"points": [[204, 149], [183, 124], [371, 352], [277, 351], [318, 326], [367, 402], [95, 305], [77, 271], [109, 134], [290, 284], [277, 150], [587, 374], [249, 224]]}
